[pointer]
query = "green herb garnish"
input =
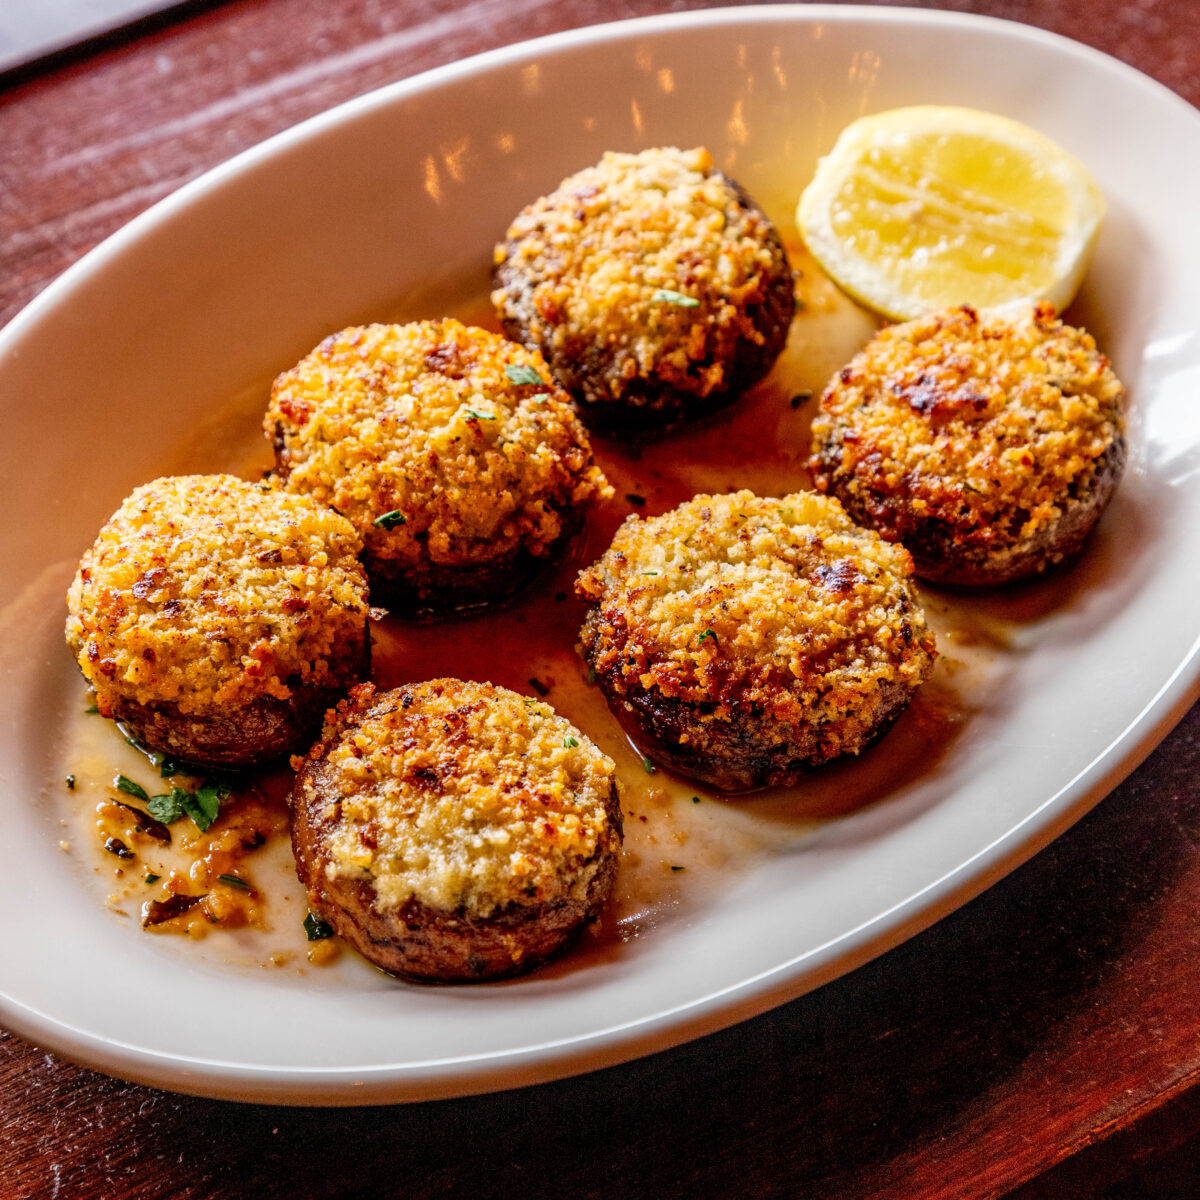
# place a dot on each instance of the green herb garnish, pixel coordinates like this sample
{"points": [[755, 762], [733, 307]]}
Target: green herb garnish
{"points": [[570, 742], [152, 878], [317, 929], [203, 804], [695, 799], [389, 520], [649, 767], [522, 374], [667, 296], [168, 807], [481, 416], [708, 633], [540, 398], [91, 708], [234, 881], [130, 788], [675, 868]]}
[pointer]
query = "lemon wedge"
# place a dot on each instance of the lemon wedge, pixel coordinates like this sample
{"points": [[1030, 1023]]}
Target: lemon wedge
{"points": [[919, 209]]}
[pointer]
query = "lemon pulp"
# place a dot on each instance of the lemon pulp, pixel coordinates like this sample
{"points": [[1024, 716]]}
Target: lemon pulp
{"points": [[919, 209]]}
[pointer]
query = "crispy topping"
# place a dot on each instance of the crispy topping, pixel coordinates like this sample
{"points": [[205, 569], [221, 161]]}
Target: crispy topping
{"points": [[780, 603], [438, 441], [984, 421], [206, 590], [649, 264]]}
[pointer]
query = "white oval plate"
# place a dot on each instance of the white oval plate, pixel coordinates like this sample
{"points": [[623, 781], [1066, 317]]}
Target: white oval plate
{"points": [[234, 277]]}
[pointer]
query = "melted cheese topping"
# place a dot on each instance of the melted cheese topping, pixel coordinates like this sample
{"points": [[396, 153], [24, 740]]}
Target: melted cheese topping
{"points": [[465, 796]]}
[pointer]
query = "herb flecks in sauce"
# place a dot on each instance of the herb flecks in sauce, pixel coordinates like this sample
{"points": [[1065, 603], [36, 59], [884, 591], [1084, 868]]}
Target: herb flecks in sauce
{"points": [[195, 872], [123, 784], [316, 929]]}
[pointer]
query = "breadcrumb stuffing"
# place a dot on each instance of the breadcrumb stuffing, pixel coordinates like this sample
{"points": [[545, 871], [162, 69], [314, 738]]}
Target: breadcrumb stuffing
{"points": [[986, 423], [465, 796], [206, 591], [440, 442], [780, 604], [646, 266]]}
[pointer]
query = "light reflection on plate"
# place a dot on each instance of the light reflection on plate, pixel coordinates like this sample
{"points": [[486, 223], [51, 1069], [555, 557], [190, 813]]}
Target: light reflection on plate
{"points": [[375, 205]]}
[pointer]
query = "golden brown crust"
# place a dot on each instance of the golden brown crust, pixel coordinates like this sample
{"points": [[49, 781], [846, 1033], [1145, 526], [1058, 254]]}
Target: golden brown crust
{"points": [[655, 286], [450, 450], [258, 731], [218, 617], [453, 830], [989, 446], [743, 639]]}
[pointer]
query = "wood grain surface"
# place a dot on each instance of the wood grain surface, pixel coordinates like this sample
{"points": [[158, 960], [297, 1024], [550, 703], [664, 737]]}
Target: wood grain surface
{"points": [[1045, 1038]]}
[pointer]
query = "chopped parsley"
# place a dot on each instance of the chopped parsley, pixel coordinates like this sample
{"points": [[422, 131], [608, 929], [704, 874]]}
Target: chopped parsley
{"points": [[667, 296], [695, 799], [152, 878], [389, 520], [202, 805], [122, 784], [649, 767], [675, 868], [708, 633], [540, 398], [481, 416], [235, 881], [518, 373], [570, 742], [91, 708], [317, 929], [168, 807]]}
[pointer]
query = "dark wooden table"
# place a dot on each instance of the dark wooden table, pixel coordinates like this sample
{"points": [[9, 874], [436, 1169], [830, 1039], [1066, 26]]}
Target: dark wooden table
{"points": [[1046, 1038]]}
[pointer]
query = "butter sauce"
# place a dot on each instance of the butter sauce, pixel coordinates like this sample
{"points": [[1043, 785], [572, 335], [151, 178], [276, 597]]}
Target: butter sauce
{"points": [[683, 843]]}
